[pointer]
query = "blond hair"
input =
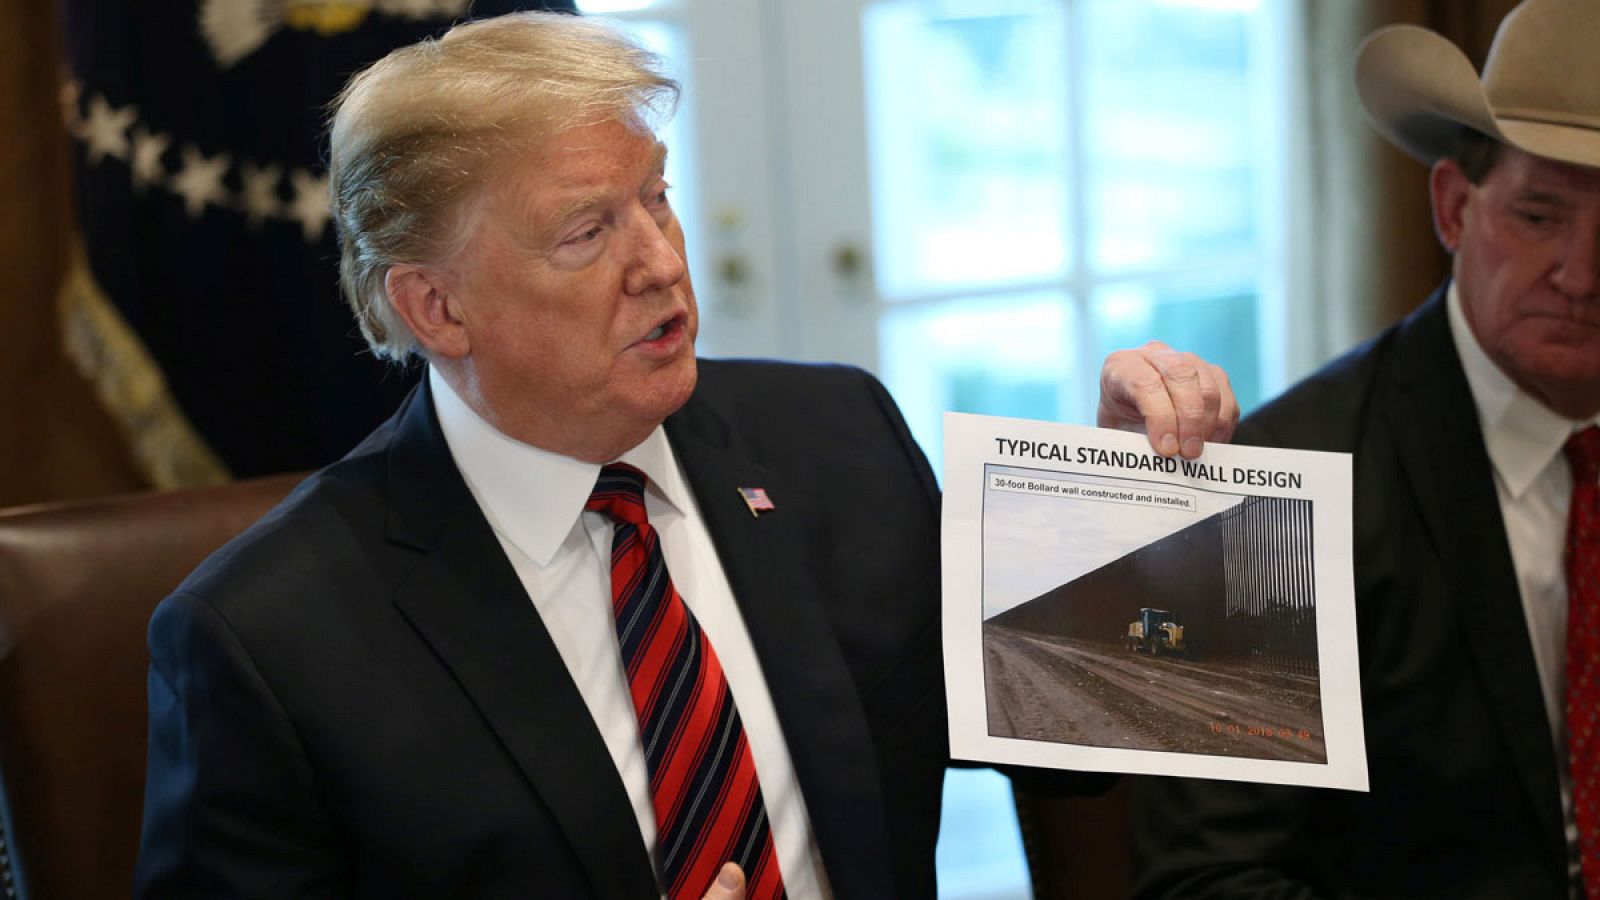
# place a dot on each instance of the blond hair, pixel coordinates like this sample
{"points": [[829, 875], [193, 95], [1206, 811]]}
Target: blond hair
{"points": [[414, 136]]}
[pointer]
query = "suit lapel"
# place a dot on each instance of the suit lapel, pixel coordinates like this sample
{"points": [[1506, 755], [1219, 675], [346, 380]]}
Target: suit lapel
{"points": [[466, 601], [778, 595], [1435, 424]]}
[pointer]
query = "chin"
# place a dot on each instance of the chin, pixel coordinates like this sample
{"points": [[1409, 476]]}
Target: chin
{"points": [[671, 388]]}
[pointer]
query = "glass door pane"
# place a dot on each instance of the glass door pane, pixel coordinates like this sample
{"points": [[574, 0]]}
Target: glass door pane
{"points": [[1172, 144], [1216, 318], [999, 356], [967, 135]]}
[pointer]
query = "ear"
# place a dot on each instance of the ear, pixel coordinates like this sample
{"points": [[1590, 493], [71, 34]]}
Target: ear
{"points": [[1450, 190], [424, 297]]}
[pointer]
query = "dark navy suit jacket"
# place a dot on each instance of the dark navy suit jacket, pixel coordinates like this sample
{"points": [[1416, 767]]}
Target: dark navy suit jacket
{"points": [[1465, 801], [356, 697]]}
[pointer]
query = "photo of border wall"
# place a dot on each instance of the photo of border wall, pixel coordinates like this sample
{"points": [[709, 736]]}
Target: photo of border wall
{"points": [[1201, 641]]}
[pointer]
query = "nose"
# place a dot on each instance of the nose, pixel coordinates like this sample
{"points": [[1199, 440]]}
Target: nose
{"points": [[1578, 273], [656, 263]]}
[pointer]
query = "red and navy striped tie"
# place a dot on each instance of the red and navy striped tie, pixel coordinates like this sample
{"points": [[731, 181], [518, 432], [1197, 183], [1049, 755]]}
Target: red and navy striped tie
{"points": [[703, 783], [1583, 647]]}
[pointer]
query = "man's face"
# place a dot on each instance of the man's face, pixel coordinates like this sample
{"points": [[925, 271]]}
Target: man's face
{"points": [[1527, 263], [575, 297]]}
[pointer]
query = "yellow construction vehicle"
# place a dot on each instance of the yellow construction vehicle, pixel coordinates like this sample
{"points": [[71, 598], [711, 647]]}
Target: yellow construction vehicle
{"points": [[1156, 632]]}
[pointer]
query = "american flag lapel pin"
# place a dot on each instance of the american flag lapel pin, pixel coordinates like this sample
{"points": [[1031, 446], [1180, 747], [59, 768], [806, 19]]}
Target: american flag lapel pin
{"points": [[757, 500]]}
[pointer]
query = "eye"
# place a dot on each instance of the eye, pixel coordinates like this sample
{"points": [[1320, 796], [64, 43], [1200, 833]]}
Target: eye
{"points": [[1538, 216], [584, 236], [659, 197]]}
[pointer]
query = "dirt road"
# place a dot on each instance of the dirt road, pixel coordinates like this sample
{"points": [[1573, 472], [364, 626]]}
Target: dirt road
{"points": [[1075, 692]]}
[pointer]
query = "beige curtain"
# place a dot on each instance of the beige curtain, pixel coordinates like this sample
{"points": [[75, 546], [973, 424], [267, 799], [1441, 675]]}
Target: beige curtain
{"points": [[55, 441], [1365, 245]]}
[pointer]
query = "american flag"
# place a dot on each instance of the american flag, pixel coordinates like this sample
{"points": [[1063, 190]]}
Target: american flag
{"points": [[757, 499], [203, 200]]}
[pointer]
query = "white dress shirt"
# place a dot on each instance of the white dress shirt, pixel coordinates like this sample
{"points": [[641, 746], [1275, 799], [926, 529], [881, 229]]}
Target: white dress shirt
{"points": [[1524, 439], [534, 500]]}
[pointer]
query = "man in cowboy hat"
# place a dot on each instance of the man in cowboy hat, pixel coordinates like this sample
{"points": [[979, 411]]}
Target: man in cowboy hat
{"points": [[1470, 422]]}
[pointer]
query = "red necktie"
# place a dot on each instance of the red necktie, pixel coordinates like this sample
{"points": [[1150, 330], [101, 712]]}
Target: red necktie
{"points": [[1583, 647], [703, 783]]}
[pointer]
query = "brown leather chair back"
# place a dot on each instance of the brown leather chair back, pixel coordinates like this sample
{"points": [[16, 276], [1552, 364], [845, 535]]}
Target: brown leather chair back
{"points": [[78, 582], [1078, 848]]}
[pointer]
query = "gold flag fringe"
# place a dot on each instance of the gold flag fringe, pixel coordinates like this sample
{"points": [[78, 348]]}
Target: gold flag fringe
{"points": [[130, 385]]}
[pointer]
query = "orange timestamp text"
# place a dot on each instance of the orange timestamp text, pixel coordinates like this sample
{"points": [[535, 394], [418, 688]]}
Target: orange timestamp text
{"points": [[1263, 731]]}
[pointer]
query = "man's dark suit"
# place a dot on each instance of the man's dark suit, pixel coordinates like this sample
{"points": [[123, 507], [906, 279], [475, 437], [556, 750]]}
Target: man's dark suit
{"points": [[1465, 801], [357, 697]]}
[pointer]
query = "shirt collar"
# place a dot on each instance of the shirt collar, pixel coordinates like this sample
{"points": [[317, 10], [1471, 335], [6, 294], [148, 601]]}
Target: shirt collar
{"points": [[532, 496], [1522, 434]]}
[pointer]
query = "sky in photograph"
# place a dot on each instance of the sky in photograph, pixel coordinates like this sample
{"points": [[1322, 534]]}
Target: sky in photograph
{"points": [[1033, 543]]}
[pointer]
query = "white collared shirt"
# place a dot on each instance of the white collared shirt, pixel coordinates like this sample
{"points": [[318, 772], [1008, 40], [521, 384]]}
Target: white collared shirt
{"points": [[534, 500], [1531, 476]]}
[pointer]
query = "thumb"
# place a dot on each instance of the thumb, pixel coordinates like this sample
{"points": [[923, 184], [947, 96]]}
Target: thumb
{"points": [[729, 884]]}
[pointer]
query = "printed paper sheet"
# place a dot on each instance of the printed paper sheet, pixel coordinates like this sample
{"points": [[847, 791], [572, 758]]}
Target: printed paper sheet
{"points": [[1109, 609]]}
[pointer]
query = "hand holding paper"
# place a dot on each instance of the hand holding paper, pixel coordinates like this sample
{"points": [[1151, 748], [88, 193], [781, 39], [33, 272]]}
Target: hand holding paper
{"points": [[1178, 399]]}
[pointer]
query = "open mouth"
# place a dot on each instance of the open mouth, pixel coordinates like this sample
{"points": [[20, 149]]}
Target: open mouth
{"points": [[664, 333], [666, 329]]}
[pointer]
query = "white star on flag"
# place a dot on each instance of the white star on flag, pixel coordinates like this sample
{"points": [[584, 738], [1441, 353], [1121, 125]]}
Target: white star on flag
{"points": [[260, 195], [105, 131], [200, 180], [146, 163], [310, 204], [71, 93]]}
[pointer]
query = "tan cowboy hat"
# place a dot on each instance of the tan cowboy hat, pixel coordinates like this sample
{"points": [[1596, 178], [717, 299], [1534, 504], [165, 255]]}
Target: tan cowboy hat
{"points": [[1540, 90]]}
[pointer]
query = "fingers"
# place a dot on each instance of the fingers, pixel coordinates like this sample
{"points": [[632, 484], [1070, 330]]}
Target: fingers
{"points": [[1227, 411], [1178, 399], [1134, 397], [729, 884]]}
